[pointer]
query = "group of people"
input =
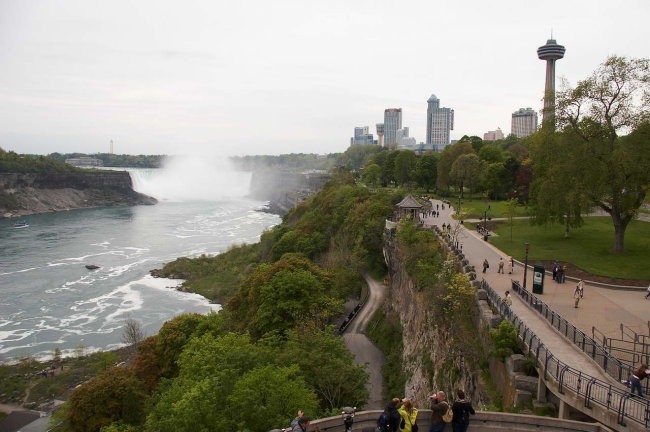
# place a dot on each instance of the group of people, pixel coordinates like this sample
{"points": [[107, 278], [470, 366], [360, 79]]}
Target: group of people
{"points": [[401, 416], [510, 262], [559, 272]]}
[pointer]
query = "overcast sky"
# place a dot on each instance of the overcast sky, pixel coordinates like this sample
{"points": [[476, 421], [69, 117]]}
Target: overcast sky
{"points": [[236, 77]]}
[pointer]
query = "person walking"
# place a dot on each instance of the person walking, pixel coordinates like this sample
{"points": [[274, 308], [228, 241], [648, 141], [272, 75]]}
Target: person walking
{"points": [[511, 261], [486, 265], [501, 266], [579, 292], [439, 407], [409, 416], [507, 299], [635, 380], [648, 294], [462, 409]]}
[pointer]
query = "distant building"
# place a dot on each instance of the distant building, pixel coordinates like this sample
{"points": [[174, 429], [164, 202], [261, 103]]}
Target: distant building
{"points": [[380, 134], [404, 141], [524, 122], [85, 162], [493, 135], [392, 122], [361, 136], [439, 122]]}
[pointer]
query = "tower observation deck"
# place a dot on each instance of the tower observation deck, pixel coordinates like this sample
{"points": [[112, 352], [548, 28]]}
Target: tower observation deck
{"points": [[550, 52]]}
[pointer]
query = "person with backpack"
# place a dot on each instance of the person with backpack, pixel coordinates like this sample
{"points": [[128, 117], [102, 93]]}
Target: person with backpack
{"points": [[409, 416], [462, 409], [389, 420], [439, 407], [301, 424]]}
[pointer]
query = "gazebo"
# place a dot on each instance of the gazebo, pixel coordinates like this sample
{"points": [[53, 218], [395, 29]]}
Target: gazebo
{"points": [[409, 206]]}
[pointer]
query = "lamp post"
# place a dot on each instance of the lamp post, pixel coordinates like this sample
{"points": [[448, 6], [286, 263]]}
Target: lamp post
{"points": [[485, 230], [459, 203], [527, 245]]}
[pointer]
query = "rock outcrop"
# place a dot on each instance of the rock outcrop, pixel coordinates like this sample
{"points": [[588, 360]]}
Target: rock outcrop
{"points": [[29, 193]]}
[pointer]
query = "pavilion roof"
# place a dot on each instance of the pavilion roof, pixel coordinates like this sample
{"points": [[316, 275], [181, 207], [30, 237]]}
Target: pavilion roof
{"points": [[409, 202]]}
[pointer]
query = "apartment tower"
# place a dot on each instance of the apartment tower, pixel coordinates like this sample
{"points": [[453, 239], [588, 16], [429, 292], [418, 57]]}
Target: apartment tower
{"points": [[524, 122], [439, 122]]}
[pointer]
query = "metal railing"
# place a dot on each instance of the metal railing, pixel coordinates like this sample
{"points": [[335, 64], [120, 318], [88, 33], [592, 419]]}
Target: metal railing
{"points": [[594, 391], [594, 349]]}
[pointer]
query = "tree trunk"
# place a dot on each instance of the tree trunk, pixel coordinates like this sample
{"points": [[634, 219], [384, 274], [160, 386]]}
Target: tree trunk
{"points": [[619, 237]]}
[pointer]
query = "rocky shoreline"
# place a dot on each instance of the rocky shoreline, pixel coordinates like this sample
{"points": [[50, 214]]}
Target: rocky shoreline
{"points": [[27, 194]]}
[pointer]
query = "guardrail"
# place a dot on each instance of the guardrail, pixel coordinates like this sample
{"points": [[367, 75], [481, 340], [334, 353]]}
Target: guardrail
{"points": [[599, 353], [595, 392]]}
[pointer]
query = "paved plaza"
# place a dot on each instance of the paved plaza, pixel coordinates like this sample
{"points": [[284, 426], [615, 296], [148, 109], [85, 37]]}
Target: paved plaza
{"points": [[603, 308]]}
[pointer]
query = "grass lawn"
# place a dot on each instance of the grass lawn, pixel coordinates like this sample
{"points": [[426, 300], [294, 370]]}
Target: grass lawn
{"points": [[475, 208], [588, 247]]}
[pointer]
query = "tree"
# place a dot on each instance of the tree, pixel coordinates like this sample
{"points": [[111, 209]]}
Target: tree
{"points": [[405, 162], [132, 334], [268, 397], [372, 175], [465, 171], [115, 395], [447, 158], [426, 171], [611, 170]]}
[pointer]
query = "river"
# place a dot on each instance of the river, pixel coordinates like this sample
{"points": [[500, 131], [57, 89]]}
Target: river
{"points": [[48, 298]]}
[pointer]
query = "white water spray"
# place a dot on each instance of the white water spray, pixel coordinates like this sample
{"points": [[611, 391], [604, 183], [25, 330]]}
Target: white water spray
{"points": [[192, 178]]}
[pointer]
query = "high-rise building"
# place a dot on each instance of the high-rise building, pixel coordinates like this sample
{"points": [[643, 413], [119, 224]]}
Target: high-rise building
{"points": [[493, 135], [439, 122], [550, 52], [392, 122], [380, 134], [361, 136], [524, 122]]}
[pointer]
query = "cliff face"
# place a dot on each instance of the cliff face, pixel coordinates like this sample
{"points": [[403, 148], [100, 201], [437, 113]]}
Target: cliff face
{"points": [[433, 357], [29, 193]]}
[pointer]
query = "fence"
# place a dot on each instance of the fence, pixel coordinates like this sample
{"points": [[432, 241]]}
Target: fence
{"points": [[594, 391]]}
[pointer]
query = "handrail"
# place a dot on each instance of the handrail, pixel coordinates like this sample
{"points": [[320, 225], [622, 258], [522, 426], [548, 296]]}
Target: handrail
{"points": [[599, 353], [596, 391]]}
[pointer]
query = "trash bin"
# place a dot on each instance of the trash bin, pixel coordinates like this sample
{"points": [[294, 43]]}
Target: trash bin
{"points": [[538, 279]]}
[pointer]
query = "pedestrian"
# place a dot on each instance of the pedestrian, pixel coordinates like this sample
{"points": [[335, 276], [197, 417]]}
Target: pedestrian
{"points": [[439, 407], [462, 409], [561, 274], [389, 419], [579, 292], [648, 294], [486, 265], [501, 266], [556, 267], [301, 424], [409, 416], [511, 270], [507, 299], [635, 380], [294, 422]]}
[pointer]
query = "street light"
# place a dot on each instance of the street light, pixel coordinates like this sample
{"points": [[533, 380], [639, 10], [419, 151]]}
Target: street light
{"points": [[527, 245], [459, 203], [485, 230]]}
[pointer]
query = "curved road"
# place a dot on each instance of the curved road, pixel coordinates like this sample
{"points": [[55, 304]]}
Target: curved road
{"points": [[363, 349]]}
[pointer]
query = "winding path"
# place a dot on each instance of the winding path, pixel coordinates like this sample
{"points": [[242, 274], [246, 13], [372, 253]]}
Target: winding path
{"points": [[364, 351]]}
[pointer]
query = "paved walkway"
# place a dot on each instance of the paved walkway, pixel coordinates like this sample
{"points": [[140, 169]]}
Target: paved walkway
{"points": [[604, 308]]}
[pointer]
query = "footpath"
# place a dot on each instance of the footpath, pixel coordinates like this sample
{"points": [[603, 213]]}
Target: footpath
{"points": [[603, 308]]}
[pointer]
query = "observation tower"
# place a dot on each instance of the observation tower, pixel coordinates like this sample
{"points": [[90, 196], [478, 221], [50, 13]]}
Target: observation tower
{"points": [[550, 52]]}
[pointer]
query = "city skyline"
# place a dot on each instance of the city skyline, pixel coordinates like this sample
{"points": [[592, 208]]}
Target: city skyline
{"points": [[257, 78]]}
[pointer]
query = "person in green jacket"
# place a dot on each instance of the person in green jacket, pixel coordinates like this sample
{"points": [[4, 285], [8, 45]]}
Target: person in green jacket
{"points": [[409, 415]]}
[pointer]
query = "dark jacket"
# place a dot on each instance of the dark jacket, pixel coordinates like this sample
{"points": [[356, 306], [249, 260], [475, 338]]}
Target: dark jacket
{"points": [[438, 409], [459, 408], [395, 417]]}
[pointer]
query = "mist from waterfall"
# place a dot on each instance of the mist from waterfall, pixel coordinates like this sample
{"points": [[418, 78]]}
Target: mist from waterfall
{"points": [[193, 178]]}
